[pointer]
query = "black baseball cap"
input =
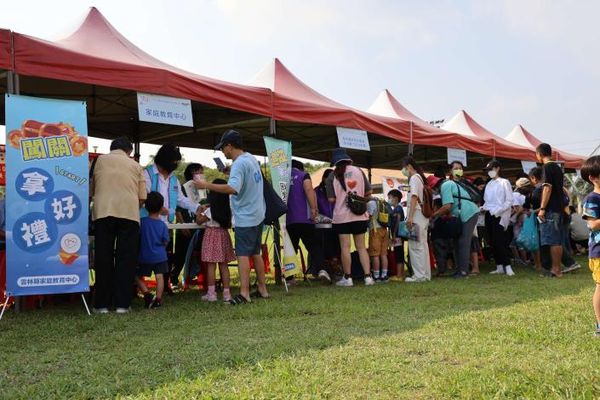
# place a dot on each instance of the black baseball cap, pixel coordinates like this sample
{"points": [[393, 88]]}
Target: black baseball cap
{"points": [[231, 136], [492, 164]]}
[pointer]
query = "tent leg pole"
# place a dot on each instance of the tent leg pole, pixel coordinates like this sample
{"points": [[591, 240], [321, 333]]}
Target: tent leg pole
{"points": [[4, 307], [10, 89]]}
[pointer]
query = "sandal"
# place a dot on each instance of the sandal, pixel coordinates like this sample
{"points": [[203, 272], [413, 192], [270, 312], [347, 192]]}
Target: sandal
{"points": [[257, 295], [238, 300]]}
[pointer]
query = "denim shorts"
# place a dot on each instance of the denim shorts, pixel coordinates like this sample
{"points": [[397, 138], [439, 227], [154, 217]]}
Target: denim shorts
{"points": [[551, 230], [248, 240]]}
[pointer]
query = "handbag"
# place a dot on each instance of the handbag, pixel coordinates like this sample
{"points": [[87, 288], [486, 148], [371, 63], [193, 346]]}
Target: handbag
{"points": [[275, 206], [403, 230], [529, 236], [357, 204]]}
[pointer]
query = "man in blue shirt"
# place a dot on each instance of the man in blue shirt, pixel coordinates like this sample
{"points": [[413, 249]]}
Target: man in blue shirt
{"points": [[245, 186]]}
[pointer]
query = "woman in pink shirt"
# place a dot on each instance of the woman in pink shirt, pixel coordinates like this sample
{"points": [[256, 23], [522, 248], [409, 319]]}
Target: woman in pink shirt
{"points": [[347, 178]]}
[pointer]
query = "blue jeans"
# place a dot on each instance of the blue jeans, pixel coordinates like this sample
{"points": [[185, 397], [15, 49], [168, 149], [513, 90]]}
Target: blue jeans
{"points": [[551, 230]]}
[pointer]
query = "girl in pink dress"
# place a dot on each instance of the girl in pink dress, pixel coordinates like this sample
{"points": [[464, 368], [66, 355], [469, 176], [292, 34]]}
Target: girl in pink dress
{"points": [[216, 244]]}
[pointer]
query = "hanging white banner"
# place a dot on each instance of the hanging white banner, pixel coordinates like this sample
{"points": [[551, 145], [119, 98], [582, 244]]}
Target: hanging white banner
{"points": [[353, 139], [164, 109], [457, 155]]}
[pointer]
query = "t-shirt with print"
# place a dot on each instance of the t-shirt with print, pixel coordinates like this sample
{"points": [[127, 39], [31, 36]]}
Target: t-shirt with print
{"points": [[451, 193], [591, 209], [373, 211], [356, 182], [248, 204], [552, 175], [154, 236]]}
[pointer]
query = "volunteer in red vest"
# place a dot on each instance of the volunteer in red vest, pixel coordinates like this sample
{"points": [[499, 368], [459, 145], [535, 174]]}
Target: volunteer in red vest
{"points": [[418, 248]]}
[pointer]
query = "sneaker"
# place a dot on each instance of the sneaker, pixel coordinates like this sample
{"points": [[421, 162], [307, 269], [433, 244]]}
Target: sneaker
{"points": [[345, 282], [210, 297], [148, 300], [369, 281], [384, 279], [509, 271], [227, 299], [324, 276], [122, 310], [460, 275], [396, 278], [412, 279], [499, 270], [102, 310], [155, 303], [572, 268]]}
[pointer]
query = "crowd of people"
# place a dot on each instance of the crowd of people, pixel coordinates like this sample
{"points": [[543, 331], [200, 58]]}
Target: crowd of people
{"points": [[444, 226]]}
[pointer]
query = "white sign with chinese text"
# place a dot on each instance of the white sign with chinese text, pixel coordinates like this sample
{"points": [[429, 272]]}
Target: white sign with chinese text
{"points": [[164, 109], [353, 139], [457, 155], [528, 166]]}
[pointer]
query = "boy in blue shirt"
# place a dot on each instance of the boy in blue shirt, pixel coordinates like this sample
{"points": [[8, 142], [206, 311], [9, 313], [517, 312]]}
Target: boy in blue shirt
{"points": [[591, 212], [153, 250]]}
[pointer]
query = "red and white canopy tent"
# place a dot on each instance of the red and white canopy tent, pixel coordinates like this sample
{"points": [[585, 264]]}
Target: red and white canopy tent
{"points": [[524, 138], [461, 132]]}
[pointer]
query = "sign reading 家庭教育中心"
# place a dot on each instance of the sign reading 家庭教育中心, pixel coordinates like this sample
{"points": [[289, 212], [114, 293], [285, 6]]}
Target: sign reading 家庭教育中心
{"points": [[457, 155], [164, 109], [353, 139], [46, 196]]}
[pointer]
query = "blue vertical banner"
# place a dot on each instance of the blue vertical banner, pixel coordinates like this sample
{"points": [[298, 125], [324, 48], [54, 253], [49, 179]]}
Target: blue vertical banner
{"points": [[46, 196]]}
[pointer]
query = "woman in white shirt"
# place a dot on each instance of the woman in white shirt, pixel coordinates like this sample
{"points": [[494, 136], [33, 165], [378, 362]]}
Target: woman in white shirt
{"points": [[418, 250], [498, 201]]}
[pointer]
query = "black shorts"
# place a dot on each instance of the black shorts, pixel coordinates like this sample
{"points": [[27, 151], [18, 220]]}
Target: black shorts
{"points": [[351, 228], [148, 269]]}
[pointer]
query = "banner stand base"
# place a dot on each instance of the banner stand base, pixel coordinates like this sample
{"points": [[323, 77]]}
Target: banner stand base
{"points": [[87, 309], [85, 304], [4, 307]]}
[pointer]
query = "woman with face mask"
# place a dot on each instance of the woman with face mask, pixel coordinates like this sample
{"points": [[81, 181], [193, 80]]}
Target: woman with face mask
{"points": [[418, 250], [457, 201], [498, 200]]}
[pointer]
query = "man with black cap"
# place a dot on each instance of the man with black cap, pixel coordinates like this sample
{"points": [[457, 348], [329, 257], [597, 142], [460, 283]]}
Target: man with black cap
{"points": [[245, 186]]}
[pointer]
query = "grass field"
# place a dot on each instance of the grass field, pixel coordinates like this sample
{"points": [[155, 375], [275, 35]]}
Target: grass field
{"points": [[485, 337]]}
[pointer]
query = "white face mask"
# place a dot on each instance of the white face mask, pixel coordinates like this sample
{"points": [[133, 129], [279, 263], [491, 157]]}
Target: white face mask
{"points": [[492, 173]]}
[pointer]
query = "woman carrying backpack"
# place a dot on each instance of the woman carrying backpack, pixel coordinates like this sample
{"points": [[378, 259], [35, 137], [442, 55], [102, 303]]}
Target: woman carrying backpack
{"points": [[418, 204]]}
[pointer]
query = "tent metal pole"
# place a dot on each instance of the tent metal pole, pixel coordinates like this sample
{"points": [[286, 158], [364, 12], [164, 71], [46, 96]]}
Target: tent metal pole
{"points": [[411, 145]]}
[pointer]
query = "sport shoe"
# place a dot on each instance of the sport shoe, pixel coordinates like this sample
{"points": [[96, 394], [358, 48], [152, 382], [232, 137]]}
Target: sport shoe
{"points": [[155, 303], [121, 310], [210, 297], [395, 278], [384, 279], [572, 268], [412, 279], [499, 270], [324, 276], [509, 271], [102, 310], [369, 281], [148, 300], [345, 282]]}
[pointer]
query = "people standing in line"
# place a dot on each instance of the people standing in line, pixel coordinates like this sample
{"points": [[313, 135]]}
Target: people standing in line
{"points": [[418, 250], [379, 241], [183, 237], [347, 178], [301, 216], [328, 239], [579, 232], [118, 190], [532, 205], [591, 212], [457, 201], [160, 177], [216, 244], [552, 204], [245, 186], [395, 198], [497, 204], [153, 259]]}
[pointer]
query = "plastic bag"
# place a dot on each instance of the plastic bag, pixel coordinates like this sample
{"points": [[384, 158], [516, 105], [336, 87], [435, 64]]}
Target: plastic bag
{"points": [[529, 238]]}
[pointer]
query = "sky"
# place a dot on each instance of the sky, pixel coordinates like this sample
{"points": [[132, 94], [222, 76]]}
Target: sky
{"points": [[506, 62]]}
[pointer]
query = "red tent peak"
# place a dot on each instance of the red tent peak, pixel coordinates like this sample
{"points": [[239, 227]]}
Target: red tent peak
{"points": [[96, 36], [388, 106], [464, 124], [277, 77]]}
